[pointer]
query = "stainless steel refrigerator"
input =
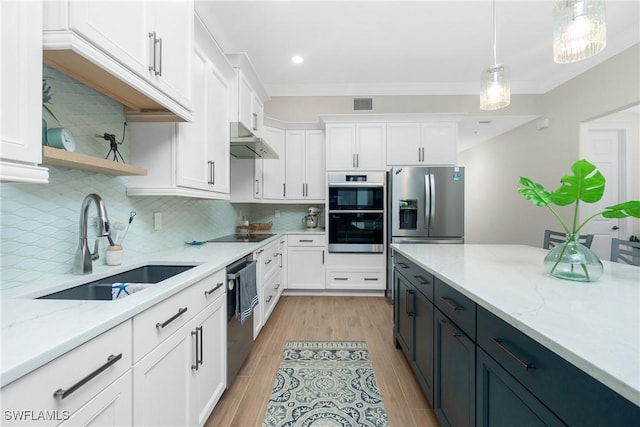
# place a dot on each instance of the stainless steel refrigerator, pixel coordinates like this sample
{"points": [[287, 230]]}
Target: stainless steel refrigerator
{"points": [[425, 205]]}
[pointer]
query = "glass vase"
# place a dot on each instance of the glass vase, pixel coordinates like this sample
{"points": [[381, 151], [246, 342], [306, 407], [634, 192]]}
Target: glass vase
{"points": [[572, 260]]}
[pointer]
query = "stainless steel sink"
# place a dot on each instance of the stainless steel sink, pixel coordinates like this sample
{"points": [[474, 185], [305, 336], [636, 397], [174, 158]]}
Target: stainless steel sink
{"points": [[101, 289]]}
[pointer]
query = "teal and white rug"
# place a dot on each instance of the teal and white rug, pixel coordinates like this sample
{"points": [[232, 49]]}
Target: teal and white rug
{"points": [[325, 384]]}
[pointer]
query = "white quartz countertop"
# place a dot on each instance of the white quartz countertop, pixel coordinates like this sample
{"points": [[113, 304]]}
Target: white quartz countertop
{"points": [[35, 331], [595, 326]]}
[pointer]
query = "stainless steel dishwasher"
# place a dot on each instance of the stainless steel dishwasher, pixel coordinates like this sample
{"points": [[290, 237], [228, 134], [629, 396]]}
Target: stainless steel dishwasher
{"points": [[239, 335]]}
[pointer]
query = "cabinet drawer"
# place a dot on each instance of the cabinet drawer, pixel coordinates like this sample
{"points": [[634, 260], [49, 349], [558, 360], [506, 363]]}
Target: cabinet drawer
{"points": [[306, 240], [457, 307], [157, 323], [422, 280], [70, 381], [576, 397], [268, 258], [271, 292], [356, 279]]}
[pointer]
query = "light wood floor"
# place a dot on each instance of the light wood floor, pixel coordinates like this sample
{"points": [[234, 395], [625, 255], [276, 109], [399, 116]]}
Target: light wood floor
{"points": [[325, 318]]}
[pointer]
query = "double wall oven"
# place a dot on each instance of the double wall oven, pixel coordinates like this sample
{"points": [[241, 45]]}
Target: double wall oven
{"points": [[356, 217]]}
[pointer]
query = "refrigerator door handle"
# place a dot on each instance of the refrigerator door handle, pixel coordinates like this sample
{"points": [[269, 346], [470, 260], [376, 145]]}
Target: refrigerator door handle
{"points": [[427, 201], [432, 199]]}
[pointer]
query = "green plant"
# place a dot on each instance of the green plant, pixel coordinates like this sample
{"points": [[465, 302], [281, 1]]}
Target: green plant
{"points": [[586, 185], [46, 98]]}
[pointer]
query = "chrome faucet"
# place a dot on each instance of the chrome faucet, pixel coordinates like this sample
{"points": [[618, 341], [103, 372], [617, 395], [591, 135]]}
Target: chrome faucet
{"points": [[83, 261]]}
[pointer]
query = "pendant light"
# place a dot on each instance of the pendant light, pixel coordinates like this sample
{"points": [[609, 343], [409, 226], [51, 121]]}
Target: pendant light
{"points": [[495, 91], [579, 29]]}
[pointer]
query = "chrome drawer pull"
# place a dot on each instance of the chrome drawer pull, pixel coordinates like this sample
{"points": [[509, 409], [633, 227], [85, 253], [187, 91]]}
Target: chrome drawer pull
{"points": [[195, 351], [341, 278], [403, 265], [268, 261], [305, 240], [61, 394], [375, 279], [218, 286], [524, 365], [270, 298], [451, 304], [180, 312]]}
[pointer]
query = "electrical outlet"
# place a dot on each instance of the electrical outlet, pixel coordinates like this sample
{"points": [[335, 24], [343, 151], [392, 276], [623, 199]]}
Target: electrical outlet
{"points": [[157, 221], [276, 213]]}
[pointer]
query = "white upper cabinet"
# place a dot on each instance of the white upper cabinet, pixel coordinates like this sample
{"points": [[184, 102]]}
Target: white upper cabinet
{"points": [[248, 100], [21, 97], [305, 170], [190, 159], [356, 146], [273, 170], [137, 52], [430, 143]]}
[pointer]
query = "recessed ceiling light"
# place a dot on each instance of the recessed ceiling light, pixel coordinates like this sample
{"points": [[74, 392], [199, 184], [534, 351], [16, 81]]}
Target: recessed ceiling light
{"points": [[297, 59]]}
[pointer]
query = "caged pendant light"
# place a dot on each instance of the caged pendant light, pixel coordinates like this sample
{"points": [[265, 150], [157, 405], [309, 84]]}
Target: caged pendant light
{"points": [[495, 90], [579, 29]]}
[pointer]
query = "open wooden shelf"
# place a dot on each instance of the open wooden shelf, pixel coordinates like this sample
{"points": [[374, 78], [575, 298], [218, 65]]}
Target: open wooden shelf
{"points": [[67, 159]]}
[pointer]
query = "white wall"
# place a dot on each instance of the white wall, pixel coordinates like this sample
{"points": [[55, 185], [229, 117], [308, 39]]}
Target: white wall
{"points": [[496, 213]]}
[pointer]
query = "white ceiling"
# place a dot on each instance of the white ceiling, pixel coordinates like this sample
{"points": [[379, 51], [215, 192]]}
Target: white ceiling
{"points": [[367, 48]]}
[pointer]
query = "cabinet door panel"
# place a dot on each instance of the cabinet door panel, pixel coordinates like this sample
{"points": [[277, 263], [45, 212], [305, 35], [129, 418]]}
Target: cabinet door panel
{"points": [[113, 406], [314, 164], [162, 383], [504, 402], [192, 149], [403, 144], [210, 378], [305, 268], [128, 41], [340, 147], [371, 154], [423, 344], [217, 134], [440, 143], [405, 300], [295, 156], [273, 170], [454, 394]]}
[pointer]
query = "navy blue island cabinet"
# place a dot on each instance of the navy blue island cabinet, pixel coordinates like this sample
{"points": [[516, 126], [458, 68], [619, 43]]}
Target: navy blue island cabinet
{"points": [[413, 320], [477, 370]]}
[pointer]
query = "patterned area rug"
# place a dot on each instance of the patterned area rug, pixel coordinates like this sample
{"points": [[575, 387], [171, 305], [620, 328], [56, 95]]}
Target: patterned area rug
{"points": [[325, 384]]}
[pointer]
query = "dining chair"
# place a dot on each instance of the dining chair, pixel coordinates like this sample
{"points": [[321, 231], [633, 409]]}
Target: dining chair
{"points": [[625, 251], [553, 238]]}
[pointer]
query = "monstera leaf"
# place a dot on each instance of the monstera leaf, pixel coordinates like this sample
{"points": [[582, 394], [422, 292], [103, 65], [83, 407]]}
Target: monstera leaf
{"points": [[534, 192], [623, 210], [586, 184]]}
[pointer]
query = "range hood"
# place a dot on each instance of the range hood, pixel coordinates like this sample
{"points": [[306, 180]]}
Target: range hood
{"points": [[244, 145]]}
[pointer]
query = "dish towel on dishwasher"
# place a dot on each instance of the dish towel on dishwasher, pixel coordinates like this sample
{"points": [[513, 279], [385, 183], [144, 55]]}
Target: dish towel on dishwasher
{"points": [[247, 293]]}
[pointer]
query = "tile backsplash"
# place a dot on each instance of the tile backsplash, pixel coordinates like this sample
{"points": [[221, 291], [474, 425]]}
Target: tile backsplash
{"points": [[39, 223]]}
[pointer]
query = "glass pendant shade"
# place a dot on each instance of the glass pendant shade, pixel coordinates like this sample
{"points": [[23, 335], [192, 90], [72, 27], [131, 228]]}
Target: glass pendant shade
{"points": [[495, 90], [579, 29]]}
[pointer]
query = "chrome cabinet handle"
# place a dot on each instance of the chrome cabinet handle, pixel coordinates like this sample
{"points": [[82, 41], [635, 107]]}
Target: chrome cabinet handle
{"points": [[423, 281], [340, 278], [180, 312], [524, 365], [305, 240], [259, 251], [403, 265], [449, 302], [159, 72], [257, 186], [284, 190], [454, 332], [195, 350], [277, 286], [212, 169], [268, 261], [270, 298], [199, 329], [255, 121], [374, 279], [411, 312], [154, 61], [209, 292], [111, 360]]}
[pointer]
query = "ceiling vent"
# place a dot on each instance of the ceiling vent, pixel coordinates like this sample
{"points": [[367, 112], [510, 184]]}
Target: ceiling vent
{"points": [[362, 104]]}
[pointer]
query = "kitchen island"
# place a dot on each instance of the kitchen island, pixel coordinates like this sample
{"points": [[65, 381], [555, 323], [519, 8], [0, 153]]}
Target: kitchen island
{"points": [[593, 326]]}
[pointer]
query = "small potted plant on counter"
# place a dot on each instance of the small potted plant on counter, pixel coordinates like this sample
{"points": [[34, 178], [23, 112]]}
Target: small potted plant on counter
{"points": [[572, 260]]}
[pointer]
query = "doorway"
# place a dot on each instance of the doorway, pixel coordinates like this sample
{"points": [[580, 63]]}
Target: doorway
{"points": [[611, 144]]}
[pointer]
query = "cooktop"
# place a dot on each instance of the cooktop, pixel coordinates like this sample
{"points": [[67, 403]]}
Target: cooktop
{"points": [[242, 238]]}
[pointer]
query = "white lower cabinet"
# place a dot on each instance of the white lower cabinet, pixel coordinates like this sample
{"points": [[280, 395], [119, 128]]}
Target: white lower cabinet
{"points": [[305, 261], [180, 380], [112, 407], [87, 384]]}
